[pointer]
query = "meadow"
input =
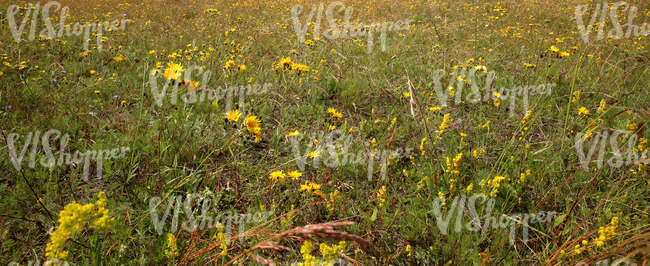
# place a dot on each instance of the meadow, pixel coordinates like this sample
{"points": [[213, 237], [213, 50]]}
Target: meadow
{"points": [[423, 132]]}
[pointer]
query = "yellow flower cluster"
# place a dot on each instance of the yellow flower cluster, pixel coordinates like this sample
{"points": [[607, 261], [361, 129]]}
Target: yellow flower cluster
{"points": [[493, 184], [381, 195], [446, 122], [72, 219], [334, 196], [172, 250], [526, 117], [421, 183], [408, 249], [253, 126], [603, 106], [280, 175], [478, 152], [331, 253], [605, 233], [308, 259], [222, 239], [334, 113], [522, 178], [286, 63], [631, 127], [313, 187]]}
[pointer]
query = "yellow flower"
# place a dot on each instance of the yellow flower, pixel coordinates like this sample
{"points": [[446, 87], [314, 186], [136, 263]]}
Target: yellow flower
{"points": [[424, 140], [576, 96], [242, 67], [381, 195], [293, 133], [252, 124], [99, 79], [286, 63], [602, 107], [563, 54], [434, 108], [295, 175], [526, 117], [332, 127], [229, 64], [497, 102], [312, 154], [446, 122], [554, 48], [457, 160], [92, 72], [583, 110], [309, 186], [233, 115], [277, 174], [172, 250], [72, 219], [119, 58], [408, 249]]}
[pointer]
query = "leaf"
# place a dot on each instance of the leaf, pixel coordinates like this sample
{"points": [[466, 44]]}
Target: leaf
{"points": [[373, 217], [559, 220]]}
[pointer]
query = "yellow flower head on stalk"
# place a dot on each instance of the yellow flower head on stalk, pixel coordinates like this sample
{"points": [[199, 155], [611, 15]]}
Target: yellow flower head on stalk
{"points": [[173, 71], [631, 127], [172, 250], [583, 111], [408, 249], [529, 113], [603, 106], [229, 64], [295, 133], [295, 175], [309, 186], [306, 250], [331, 253], [72, 219], [334, 196], [457, 160], [422, 142], [233, 115], [381, 195], [286, 63], [252, 124], [436, 108], [446, 122], [277, 174], [576, 96]]}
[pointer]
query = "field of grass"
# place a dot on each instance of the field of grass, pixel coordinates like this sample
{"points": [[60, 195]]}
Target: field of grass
{"points": [[331, 149]]}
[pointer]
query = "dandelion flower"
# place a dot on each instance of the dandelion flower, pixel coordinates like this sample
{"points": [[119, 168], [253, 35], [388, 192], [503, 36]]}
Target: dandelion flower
{"points": [[233, 115]]}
